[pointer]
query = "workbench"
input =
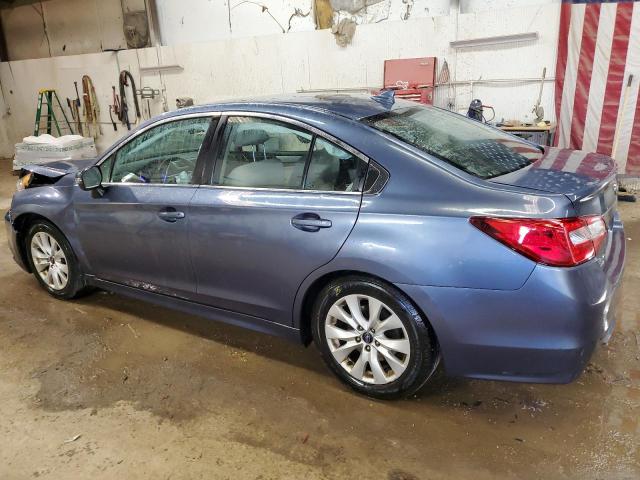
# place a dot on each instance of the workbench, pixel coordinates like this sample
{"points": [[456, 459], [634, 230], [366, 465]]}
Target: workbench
{"points": [[540, 135]]}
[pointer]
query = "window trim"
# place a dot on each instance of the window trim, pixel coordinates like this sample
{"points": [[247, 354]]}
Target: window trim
{"points": [[115, 149], [315, 132], [215, 145], [308, 160]]}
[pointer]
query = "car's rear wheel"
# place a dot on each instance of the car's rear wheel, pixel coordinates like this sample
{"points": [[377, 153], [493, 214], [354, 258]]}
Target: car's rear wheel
{"points": [[52, 260], [373, 338]]}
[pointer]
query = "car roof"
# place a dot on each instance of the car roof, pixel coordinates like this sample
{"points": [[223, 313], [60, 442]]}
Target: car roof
{"points": [[348, 105]]}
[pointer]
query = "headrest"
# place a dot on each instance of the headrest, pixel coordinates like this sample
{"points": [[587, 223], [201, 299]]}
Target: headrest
{"points": [[253, 136], [336, 151]]}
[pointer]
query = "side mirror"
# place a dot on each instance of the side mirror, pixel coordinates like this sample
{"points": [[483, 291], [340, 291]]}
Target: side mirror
{"points": [[90, 178]]}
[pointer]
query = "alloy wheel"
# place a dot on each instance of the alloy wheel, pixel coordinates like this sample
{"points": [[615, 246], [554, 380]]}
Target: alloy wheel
{"points": [[367, 339], [50, 261]]}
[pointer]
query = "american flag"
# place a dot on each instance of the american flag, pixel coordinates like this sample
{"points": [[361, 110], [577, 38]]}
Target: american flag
{"points": [[597, 79]]}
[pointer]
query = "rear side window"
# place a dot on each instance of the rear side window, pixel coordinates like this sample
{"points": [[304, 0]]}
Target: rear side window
{"points": [[333, 169], [262, 153], [467, 144]]}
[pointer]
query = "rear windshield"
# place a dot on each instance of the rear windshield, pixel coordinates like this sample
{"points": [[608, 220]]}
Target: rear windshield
{"points": [[467, 144]]}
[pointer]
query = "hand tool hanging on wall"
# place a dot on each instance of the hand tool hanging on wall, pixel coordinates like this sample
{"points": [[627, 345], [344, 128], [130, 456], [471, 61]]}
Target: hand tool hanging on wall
{"points": [[538, 111], [148, 93], [91, 110], [114, 108], [76, 110], [113, 122], [70, 104], [75, 115], [126, 80], [444, 79]]}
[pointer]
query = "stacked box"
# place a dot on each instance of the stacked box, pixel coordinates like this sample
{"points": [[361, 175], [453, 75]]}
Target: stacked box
{"points": [[46, 148]]}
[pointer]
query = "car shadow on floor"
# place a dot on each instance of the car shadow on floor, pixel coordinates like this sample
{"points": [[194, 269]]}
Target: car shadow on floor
{"points": [[267, 346]]}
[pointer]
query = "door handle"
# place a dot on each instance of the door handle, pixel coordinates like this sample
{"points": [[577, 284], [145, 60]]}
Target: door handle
{"points": [[310, 222], [170, 215]]}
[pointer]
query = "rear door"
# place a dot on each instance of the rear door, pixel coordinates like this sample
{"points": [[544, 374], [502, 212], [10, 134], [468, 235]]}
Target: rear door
{"points": [[136, 232], [280, 203]]}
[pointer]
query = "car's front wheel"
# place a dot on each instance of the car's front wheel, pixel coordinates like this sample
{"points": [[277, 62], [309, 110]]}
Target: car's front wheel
{"points": [[52, 260], [373, 338]]}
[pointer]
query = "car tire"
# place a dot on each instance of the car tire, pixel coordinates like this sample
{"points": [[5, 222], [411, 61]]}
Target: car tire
{"points": [[60, 274], [393, 361]]}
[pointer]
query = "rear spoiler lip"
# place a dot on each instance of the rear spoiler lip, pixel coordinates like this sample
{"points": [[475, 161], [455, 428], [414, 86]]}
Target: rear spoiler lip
{"points": [[606, 183], [598, 201], [584, 199], [581, 192]]}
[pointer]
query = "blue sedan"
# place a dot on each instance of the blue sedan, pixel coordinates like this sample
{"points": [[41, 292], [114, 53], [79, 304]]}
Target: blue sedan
{"points": [[391, 234]]}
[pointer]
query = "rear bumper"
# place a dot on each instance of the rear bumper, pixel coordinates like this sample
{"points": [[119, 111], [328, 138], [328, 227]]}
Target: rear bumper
{"points": [[12, 238], [544, 332]]}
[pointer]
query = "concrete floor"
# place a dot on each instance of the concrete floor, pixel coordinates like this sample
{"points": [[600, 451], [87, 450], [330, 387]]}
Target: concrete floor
{"points": [[107, 387]]}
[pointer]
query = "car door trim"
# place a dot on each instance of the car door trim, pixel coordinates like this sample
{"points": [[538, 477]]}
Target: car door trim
{"points": [[225, 115], [283, 190]]}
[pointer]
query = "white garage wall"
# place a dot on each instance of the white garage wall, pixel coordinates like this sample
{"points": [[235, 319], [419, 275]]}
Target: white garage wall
{"points": [[306, 60], [72, 27], [205, 20], [471, 6]]}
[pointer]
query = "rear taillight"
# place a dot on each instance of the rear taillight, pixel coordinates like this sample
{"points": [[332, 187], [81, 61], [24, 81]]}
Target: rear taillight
{"points": [[562, 242]]}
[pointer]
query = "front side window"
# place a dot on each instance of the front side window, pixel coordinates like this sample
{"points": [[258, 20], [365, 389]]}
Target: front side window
{"points": [[262, 153], [105, 168], [469, 145], [165, 154]]}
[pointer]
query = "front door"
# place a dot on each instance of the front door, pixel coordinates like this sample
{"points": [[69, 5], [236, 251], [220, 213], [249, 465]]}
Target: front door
{"points": [[136, 233], [281, 203]]}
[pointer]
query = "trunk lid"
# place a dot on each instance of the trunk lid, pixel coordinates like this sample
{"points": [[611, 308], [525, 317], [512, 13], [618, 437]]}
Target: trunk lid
{"points": [[587, 179]]}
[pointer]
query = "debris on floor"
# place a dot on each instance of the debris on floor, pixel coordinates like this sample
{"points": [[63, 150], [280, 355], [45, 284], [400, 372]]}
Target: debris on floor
{"points": [[72, 439]]}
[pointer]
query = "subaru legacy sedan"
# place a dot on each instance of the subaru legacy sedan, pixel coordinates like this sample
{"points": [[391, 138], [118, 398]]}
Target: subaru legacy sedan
{"points": [[393, 235]]}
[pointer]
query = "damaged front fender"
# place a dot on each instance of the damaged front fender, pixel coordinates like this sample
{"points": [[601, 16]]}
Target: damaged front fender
{"points": [[56, 170], [14, 243]]}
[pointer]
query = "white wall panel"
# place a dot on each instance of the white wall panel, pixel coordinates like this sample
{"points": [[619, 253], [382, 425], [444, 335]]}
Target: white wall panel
{"points": [[72, 27], [24, 33], [471, 6], [201, 21], [206, 20], [516, 60]]}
